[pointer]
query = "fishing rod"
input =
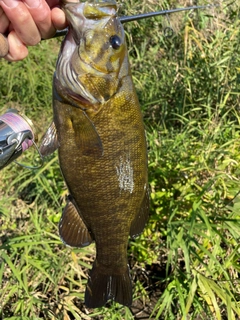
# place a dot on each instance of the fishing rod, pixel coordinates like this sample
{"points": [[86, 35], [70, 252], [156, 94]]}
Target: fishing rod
{"points": [[124, 19], [160, 13], [136, 17]]}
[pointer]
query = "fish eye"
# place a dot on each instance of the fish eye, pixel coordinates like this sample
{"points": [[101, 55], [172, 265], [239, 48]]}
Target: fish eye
{"points": [[115, 42]]}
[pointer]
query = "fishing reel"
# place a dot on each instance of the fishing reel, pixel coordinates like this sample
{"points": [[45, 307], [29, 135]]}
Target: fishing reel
{"points": [[16, 136]]}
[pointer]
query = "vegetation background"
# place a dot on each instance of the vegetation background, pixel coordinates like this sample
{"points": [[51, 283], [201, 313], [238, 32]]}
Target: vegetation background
{"points": [[186, 264]]}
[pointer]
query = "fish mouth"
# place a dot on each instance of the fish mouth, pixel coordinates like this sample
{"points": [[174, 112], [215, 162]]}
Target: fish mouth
{"points": [[87, 12], [99, 10]]}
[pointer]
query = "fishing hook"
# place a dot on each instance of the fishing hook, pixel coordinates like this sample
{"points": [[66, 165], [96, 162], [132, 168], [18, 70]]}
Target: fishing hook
{"points": [[168, 31]]}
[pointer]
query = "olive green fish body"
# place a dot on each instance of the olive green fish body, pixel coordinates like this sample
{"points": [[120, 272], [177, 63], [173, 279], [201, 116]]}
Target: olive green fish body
{"points": [[102, 147]]}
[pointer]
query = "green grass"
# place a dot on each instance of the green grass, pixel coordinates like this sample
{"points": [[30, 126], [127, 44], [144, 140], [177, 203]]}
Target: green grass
{"points": [[186, 264]]}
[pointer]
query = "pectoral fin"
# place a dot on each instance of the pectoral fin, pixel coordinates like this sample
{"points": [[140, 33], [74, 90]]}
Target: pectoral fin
{"points": [[49, 142], [141, 218], [72, 230], [86, 136]]}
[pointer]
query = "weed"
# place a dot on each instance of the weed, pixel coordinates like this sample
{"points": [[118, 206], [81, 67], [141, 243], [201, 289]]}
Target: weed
{"points": [[185, 265]]}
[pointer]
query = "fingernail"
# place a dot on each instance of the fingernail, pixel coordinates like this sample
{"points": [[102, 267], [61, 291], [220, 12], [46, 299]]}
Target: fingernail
{"points": [[32, 3], [10, 3]]}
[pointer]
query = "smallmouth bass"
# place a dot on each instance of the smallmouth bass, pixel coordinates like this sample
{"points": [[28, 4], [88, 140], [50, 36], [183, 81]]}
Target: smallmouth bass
{"points": [[99, 132]]}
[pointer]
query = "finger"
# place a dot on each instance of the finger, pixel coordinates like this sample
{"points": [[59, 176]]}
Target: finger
{"points": [[17, 50], [41, 14], [59, 19], [22, 21], [3, 46], [4, 22], [58, 16]]}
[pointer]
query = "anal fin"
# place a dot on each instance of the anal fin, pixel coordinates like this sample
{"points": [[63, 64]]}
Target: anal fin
{"points": [[72, 230], [141, 218]]}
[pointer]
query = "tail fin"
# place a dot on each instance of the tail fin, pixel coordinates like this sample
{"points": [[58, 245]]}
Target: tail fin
{"points": [[102, 287]]}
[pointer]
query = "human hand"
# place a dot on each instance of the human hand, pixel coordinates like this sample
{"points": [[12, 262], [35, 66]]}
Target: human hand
{"points": [[26, 22]]}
